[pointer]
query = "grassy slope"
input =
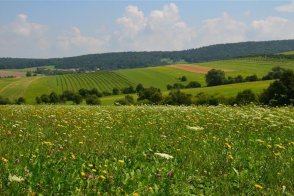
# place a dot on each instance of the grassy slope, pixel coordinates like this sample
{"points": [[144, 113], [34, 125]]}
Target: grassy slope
{"points": [[159, 76], [225, 90]]}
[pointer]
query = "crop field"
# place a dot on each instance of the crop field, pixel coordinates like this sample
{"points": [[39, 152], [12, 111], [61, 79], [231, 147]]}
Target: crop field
{"points": [[82, 150], [36, 86]]}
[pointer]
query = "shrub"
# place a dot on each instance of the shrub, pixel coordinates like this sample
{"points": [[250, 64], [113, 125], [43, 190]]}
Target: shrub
{"points": [[177, 97], [193, 84], [20, 101], [245, 97], [93, 100], [151, 94]]}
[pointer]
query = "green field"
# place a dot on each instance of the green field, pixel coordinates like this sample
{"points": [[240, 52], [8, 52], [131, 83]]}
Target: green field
{"points": [[158, 77], [227, 91], [84, 150]]}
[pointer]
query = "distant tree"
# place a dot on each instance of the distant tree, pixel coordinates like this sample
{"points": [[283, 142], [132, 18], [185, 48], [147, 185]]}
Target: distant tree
{"points": [[139, 88], [77, 99], [95, 91], [251, 78], [245, 97], [183, 79], [38, 100], [20, 101], [115, 91], [275, 73], [29, 74], [153, 95], [128, 90], [215, 77], [280, 92], [193, 84], [93, 100], [45, 98], [84, 92], [106, 93], [176, 97], [169, 87], [54, 98]]}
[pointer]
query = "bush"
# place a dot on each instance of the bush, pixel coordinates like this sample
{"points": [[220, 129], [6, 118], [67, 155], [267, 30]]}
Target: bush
{"points": [[93, 100], [183, 79], [4, 101], [115, 91], [275, 73], [127, 100], [128, 90], [245, 97], [20, 101], [193, 84], [177, 97], [139, 88], [151, 94]]}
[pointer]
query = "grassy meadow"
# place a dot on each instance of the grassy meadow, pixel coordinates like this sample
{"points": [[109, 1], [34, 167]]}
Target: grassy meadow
{"points": [[83, 150]]}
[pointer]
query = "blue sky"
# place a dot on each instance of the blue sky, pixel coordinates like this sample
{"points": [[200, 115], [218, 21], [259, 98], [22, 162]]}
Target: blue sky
{"points": [[42, 29]]}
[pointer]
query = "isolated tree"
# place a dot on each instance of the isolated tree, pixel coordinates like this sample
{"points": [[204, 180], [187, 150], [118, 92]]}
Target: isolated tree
{"points": [[215, 77], [183, 79]]}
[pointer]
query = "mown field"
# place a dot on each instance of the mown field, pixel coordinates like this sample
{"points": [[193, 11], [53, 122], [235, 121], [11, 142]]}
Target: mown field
{"points": [[158, 77], [82, 150]]}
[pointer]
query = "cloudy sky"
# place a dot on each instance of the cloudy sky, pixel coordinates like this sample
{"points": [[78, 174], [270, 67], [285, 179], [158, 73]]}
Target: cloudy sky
{"points": [[42, 29]]}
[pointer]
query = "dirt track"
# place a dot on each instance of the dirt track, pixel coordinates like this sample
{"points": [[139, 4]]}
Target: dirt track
{"points": [[195, 68]]}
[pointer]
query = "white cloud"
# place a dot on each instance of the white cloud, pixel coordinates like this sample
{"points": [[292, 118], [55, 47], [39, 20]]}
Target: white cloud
{"points": [[273, 28], [224, 29], [23, 37], [160, 30], [76, 43], [286, 8]]}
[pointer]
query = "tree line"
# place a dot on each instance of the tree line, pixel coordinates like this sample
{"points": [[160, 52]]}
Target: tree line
{"points": [[121, 60]]}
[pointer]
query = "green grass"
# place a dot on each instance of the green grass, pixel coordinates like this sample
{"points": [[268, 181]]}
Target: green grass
{"points": [[80, 150], [227, 91], [288, 53], [159, 77]]}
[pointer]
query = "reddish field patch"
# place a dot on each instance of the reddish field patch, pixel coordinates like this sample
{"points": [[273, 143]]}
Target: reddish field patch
{"points": [[195, 68], [17, 74]]}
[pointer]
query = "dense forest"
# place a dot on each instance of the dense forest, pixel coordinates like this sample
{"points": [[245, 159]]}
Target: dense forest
{"points": [[121, 60]]}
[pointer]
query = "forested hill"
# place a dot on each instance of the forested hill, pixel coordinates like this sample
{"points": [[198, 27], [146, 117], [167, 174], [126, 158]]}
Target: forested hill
{"points": [[142, 59]]}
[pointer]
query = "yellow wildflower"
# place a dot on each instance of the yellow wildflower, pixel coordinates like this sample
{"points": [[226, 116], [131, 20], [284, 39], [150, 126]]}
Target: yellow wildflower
{"points": [[94, 170], [121, 161], [4, 160], [102, 177], [135, 194], [258, 186], [280, 146], [90, 165], [230, 157], [83, 174], [228, 146], [291, 143]]}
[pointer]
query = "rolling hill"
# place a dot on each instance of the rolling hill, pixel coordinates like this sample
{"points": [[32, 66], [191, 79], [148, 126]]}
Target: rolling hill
{"points": [[123, 60], [158, 77]]}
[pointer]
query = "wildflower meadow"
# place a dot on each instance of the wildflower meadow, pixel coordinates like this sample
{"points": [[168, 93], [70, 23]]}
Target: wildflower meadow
{"points": [[146, 150]]}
